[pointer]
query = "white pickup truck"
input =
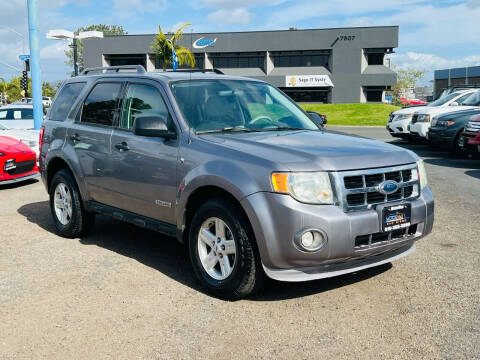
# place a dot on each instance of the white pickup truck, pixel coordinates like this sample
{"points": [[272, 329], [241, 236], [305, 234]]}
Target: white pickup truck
{"points": [[399, 120]]}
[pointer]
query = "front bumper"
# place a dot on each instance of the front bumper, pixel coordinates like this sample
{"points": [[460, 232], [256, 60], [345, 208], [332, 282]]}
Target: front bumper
{"points": [[419, 129], [14, 180], [398, 128], [471, 141], [276, 218], [441, 136]]}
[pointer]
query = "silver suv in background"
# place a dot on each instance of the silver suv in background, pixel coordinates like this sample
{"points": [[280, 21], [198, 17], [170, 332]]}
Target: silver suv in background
{"points": [[234, 169]]}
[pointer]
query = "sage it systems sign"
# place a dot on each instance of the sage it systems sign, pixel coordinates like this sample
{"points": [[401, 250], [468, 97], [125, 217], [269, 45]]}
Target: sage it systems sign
{"points": [[204, 42], [308, 81]]}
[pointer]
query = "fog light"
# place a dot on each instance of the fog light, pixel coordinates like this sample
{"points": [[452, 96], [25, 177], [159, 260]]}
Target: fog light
{"points": [[310, 240]]}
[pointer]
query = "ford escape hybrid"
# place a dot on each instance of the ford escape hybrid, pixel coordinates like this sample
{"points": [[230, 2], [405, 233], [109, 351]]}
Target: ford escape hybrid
{"points": [[234, 169]]}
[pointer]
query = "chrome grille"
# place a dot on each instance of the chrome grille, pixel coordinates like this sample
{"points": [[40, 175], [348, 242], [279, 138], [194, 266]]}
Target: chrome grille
{"points": [[358, 190], [473, 126]]}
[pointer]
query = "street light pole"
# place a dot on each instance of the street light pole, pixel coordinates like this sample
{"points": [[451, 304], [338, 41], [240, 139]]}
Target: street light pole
{"points": [[75, 56], [35, 64], [68, 35]]}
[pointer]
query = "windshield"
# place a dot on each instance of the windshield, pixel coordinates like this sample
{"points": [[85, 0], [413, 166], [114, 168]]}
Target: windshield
{"points": [[235, 105], [472, 100], [443, 100]]}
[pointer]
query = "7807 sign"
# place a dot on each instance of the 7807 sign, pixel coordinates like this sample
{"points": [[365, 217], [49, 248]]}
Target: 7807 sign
{"points": [[347, 37]]}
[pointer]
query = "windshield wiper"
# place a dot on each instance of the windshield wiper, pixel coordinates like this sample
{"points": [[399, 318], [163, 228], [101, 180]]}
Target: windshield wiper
{"points": [[227, 130], [281, 128]]}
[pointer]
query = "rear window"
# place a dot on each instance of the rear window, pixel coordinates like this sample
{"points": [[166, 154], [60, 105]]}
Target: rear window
{"points": [[64, 101]]}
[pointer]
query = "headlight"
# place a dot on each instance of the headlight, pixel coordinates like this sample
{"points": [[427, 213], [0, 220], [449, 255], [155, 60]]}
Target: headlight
{"points": [[422, 174], [403, 117], [307, 187]]}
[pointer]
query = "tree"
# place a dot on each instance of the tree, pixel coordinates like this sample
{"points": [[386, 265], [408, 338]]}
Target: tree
{"points": [[106, 29], [14, 90], [48, 89], [406, 79], [3, 88], [162, 48]]}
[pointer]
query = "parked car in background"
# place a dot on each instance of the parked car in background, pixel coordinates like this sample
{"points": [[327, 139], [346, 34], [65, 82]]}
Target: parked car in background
{"points": [[235, 169], [399, 120], [470, 139], [17, 161], [422, 119], [17, 116], [446, 130], [46, 101]]}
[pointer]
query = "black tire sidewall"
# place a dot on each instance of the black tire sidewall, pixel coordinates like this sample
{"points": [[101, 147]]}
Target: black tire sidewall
{"points": [[73, 228], [244, 259]]}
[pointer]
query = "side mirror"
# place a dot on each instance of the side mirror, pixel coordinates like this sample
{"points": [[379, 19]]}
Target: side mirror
{"points": [[152, 126], [454, 103], [319, 119]]}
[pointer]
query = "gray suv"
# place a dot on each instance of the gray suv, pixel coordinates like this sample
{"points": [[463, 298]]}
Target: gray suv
{"points": [[234, 169]]}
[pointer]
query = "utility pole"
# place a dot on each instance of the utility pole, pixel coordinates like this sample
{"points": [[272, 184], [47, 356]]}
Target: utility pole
{"points": [[35, 64]]}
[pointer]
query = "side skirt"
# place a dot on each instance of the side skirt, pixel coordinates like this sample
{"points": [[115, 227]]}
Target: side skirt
{"points": [[135, 219]]}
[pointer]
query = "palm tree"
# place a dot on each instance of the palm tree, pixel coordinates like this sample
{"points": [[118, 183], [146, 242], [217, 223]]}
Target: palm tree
{"points": [[162, 48]]}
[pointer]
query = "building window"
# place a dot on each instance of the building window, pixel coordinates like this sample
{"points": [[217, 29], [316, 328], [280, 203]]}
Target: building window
{"points": [[317, 95], [375, 93], [305, 58], [238, 60], [126, 59], [376, 56], [199, 62]]}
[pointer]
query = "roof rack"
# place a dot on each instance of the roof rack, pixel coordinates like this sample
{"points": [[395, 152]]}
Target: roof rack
{"points": [[139, 68], [216, 71]]}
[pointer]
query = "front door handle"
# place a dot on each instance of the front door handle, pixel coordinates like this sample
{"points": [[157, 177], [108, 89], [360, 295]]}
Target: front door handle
{"points": [[75, 137], [123, 146]]}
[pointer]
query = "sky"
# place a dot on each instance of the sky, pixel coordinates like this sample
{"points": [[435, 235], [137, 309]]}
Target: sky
{"points": [[433, 34]]}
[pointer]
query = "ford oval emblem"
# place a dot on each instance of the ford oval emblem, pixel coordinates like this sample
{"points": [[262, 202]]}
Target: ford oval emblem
{"points": [[388, 187]]}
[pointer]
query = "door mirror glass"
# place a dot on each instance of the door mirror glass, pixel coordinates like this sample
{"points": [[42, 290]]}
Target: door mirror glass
{"points": [[319, 119], [152, 126]]}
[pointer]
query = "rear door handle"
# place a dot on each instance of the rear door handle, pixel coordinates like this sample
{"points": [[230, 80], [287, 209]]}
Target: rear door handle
{"points": [[123, 146], [75, 137]]}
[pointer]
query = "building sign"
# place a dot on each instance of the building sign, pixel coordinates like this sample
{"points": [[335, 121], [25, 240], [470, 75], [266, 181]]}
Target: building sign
{"points": [[308, 81], [204, 42]]}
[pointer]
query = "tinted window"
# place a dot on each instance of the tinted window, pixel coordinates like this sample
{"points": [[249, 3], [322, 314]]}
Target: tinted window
{"points": [[142, 100], [473, 99], [99, 107], [16, 114], [64, 101]]}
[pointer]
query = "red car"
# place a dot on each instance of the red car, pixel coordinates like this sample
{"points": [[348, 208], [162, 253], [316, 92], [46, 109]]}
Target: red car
{"points": [[17, 161], [470, 140]]}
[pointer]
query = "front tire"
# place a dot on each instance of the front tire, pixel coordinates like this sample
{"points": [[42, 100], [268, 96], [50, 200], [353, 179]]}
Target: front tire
{"points": [[222, 250], [71, 219]]}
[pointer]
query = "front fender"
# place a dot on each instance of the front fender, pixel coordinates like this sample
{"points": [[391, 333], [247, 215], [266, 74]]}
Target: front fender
{"points": [[222, 174]]}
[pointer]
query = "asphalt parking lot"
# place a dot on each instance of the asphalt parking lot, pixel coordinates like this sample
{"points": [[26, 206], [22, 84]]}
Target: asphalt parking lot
{"points": [[125, 293]]}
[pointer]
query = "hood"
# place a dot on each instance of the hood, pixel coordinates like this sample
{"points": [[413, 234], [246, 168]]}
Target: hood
{"points": [[315, 150], [459, 114], [11, 146], [411, 110], [435, 111]]}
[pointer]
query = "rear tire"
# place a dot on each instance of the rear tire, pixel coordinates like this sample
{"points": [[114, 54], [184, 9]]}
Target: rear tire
{"points": [[240, 257], [70, 218]]}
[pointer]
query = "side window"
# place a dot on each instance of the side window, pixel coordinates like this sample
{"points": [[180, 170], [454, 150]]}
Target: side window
{"points": [[3, 114], [64, 101], [27, 114], [143, 100], [461, 99], [99, 107]]}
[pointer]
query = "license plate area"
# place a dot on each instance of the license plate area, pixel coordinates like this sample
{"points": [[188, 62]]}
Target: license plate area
{"points": [[396, 217]]}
